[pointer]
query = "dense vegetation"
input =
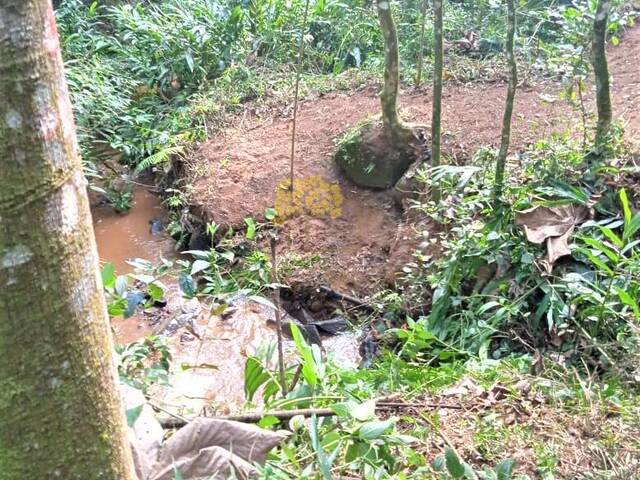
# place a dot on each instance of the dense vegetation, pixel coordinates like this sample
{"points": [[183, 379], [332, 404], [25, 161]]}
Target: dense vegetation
{"points": [[151, 78]]}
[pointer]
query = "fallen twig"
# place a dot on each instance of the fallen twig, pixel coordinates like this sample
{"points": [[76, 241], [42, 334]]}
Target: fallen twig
{"points": [[254, 417], [347, 298]]}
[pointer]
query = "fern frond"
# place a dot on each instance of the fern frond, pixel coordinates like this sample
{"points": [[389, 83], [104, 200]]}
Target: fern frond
{"points": [[163, 156]]}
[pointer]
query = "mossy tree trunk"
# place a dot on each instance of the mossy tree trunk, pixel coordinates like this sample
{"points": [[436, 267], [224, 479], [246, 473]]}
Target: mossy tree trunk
{"points": [[438, 64], [601, 71], [389, 95], [59, 409], [508, 110]]}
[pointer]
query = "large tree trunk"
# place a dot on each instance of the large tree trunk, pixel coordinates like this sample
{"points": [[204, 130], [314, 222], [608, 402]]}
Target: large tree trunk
{"points": [[438, 63], [60, 416], [601, 71], [508, 110], [389, 95]]}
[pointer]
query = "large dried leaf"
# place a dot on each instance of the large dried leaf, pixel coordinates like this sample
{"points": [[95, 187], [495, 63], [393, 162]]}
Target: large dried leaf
{"points": [[554, 225], [206, 448]]}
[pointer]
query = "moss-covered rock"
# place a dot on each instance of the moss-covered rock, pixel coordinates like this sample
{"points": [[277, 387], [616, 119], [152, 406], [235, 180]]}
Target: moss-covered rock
{"points": [[369, 158]]}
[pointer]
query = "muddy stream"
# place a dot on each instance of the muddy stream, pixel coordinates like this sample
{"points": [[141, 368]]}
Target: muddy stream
{"points": [[209, 351]]}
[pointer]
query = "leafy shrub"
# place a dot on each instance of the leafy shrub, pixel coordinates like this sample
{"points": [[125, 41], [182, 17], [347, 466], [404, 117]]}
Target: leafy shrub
{"points": [[489, 291]]}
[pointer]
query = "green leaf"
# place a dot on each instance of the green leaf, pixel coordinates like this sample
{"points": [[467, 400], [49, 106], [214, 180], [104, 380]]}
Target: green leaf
{"points": [[155, 291], [439, 463], [632, 227], [133, 414], [363, 411], [601, 247], [254, 377], [187, 285], [308, 364], [251, 228], [270, 213], [108, 275], [228, 255], [323, 461], [613, 238], [456, 467], [630, 246], [595, 260], [453, 464], [626, 210], [373, 430], [199, 266], [628, 300], [505, 469], [268, 421], [176, 474], [117, 308]]}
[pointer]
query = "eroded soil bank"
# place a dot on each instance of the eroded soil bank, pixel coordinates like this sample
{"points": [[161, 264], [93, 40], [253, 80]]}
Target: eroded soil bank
{"points": [[357, 236], [360, 238]]}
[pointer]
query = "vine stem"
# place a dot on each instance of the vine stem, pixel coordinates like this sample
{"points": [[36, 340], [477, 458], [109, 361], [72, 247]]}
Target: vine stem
{"points": [[297, 92], [274, 260]]}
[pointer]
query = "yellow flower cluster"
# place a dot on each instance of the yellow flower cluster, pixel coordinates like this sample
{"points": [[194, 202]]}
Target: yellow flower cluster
{"points": [[313, 196]]}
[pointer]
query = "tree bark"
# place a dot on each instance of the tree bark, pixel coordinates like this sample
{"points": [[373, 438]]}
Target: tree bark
{"points": [[60, 415], [438, 64], [508, 110], [601, 71], [389, 95]]}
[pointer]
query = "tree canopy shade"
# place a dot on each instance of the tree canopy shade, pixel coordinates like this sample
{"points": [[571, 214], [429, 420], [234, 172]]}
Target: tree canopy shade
{"points": [[59, 410]]}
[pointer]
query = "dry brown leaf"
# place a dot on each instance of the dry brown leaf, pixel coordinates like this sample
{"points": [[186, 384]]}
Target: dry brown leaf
{"points": [[206, 448], [554, 225]]}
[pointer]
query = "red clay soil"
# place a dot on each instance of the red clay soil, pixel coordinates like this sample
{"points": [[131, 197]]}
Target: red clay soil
{"points": [[624, 64], [237, 173]]}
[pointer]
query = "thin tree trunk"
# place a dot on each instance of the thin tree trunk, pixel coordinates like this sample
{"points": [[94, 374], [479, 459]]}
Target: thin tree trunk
{"points": [[296, 94], [421, 50], [508, 110], [389, 95], [436, 117], [601, 71], [60, 415]]}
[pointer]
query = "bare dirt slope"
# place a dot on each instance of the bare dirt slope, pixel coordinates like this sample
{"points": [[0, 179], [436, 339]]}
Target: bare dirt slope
{"points": [[238, 173], [624, 64]]}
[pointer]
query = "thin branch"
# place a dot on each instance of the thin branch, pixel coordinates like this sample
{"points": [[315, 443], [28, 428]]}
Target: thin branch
{"points": [[297, 91], [501, 161], [421, 51], [274, 260], [436, 117], [347, 298], [254, 417]]}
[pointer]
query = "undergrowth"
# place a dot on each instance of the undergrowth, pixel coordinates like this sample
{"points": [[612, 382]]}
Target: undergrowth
{"points": [[150, 78], [535, 363]]}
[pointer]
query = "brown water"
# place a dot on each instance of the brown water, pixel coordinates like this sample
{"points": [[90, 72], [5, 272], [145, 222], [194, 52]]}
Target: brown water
{"points": [[212, 373], [123, 237]]}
